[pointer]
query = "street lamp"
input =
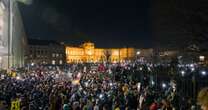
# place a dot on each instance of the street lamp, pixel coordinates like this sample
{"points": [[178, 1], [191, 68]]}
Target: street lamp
{"points": [[138, 53]]}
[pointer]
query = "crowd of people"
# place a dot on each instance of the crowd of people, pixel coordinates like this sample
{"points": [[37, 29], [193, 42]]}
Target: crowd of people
{"points": [[90, 87]]}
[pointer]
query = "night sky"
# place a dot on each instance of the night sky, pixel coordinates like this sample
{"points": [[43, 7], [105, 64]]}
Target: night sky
{"points": [[179, 23], [107, 23], [117, 23]]}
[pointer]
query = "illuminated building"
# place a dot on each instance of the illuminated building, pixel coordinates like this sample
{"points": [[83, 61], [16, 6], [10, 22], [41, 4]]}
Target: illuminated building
{"points": [[88, 53]]}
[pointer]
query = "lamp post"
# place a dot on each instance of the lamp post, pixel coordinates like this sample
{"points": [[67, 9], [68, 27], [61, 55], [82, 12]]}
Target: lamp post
{"points": [[137, 55]]}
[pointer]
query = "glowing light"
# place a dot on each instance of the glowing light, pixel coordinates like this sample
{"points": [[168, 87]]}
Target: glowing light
{"points": [[116, 53], [164, 85], [101, 96], [201, 58], [192, 69], [138, 86], [140, 68], [138, 53], [203, 73], [182, 73], [18, 78], [53, 62], [89, 53], [153, 83]]}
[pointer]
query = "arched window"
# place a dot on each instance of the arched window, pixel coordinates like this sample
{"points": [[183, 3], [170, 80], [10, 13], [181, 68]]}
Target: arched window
{"points": [[53, 62], [60, 62]]}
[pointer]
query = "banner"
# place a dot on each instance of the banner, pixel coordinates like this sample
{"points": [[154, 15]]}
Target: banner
{"points": [[15, 105]]}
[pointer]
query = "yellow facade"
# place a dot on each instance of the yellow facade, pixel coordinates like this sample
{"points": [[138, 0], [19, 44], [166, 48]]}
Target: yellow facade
{"points": [[88, 53]]}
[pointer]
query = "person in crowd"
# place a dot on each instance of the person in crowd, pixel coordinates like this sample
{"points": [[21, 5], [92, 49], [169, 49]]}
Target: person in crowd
{"points": [[111, 87], [203, 98]]}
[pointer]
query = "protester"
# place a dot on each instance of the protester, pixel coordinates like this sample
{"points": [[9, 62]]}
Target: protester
{"points": [[203, 99], [124, 86]]}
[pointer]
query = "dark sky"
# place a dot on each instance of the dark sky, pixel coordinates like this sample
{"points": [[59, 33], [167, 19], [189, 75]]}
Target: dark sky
{"points": [[117, 23], [113, 23], [179, 23]]}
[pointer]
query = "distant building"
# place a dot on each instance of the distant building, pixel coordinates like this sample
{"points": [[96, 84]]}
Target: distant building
{"points": [[165, 55], [88, 53], [13, 42], [46, 52], [144, 55]]}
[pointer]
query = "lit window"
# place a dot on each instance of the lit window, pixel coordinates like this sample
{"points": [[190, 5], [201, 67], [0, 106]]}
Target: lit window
{"points": [[60, 62], [201, 58], [53, 62], [53, 55]]}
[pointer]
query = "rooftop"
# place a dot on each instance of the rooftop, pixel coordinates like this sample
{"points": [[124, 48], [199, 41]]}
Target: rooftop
{"points": [[42, 42]]}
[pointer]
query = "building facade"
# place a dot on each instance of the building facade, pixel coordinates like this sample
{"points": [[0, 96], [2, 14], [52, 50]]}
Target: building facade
{"points": [[165, 55], [44, 52], [144, 55], [88, 53], [13, 42]]}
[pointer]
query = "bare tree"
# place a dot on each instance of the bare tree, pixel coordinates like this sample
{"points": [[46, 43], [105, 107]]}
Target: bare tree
{"points": [[185, 23], [107, 54], [195, 17]]}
